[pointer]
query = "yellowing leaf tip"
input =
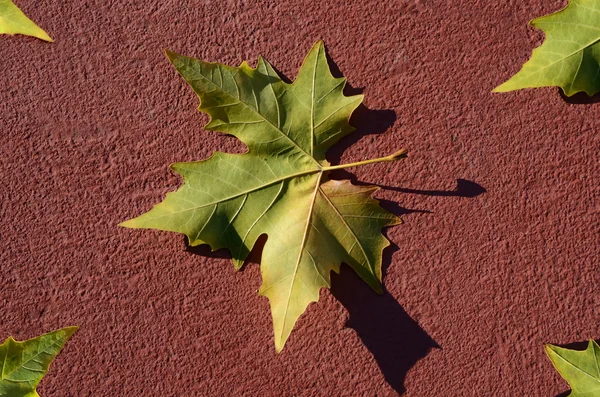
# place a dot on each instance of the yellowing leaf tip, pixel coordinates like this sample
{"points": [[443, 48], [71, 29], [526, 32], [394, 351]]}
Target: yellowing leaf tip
{"points": [[41, 34], [14, 21], [130, 224], [70, 330], [279, 347], [171, 55], [548, 349], [44, 36], [67, 332], [502, 88]]}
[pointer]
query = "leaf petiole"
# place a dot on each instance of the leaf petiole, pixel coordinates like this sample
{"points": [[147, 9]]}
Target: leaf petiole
{"points": [[400, 154]]}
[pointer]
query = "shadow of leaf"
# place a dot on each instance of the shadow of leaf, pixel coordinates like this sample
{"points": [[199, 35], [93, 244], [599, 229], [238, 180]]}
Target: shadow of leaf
{"points": [[395, 340], [581, 98], [464, 188]]}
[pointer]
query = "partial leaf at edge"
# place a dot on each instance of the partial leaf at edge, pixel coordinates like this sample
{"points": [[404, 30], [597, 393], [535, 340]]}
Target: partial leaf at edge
{"points": [[570, 55], [581, 369], [24, 364], [14, 21]]}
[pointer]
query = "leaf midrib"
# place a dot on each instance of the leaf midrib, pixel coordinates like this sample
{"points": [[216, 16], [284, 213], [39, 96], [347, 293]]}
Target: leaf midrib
{"points": [[305, 238], [302, 245], [274, 182]]}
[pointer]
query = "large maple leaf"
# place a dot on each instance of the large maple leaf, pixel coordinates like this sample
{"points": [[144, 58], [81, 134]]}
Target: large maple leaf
{"points": [[570, 55], [580, 368], [280, 187], [14, 21], [24, 364]]}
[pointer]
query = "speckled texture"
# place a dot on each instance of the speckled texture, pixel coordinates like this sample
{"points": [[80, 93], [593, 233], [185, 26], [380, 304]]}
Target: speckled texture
{"points": [[90, 123]]}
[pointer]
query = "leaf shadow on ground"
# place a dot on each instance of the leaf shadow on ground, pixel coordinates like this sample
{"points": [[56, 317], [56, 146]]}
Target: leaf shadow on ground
{"points": [[396, 341], [573, 346], [580, 98]]}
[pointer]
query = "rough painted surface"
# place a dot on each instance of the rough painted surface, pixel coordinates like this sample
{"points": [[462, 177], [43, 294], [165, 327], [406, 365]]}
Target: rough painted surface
{"points": [[90, 123]]}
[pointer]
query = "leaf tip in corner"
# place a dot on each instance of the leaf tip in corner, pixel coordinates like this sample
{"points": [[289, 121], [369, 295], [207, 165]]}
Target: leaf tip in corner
{"points": [[501, 88], [66, 332], [70, 330], [14, 21], [171, 55], [548, 349], [319, 47], [44, 36], [279, 346], [130, 224]]}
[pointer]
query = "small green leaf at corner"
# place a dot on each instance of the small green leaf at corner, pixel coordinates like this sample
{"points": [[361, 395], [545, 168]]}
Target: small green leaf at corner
{"points": [[570, 55], [281, 186], [581, 369], [24, 364], [14, 21]]}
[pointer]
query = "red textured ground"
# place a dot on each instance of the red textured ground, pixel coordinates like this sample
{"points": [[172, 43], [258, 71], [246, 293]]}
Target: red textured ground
{"points": [[90, 123]]}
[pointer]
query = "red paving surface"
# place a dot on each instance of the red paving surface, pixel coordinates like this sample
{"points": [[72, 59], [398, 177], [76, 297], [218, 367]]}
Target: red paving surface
{"points": [[91, 122]]}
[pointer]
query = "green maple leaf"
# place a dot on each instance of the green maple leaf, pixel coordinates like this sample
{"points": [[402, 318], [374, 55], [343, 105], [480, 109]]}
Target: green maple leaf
{"points": [[280, 187], [580, 368], [24, 364], [14, 21], [570, 55]]}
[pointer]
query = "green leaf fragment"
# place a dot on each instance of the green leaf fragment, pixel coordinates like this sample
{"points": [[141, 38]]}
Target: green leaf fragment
{"points": [[14, 21], [581, 369], [280, 186], [24, 364], [570, 55]]}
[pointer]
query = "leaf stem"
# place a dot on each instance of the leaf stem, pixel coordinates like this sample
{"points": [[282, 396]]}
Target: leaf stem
{"points": [[400, 154]]}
